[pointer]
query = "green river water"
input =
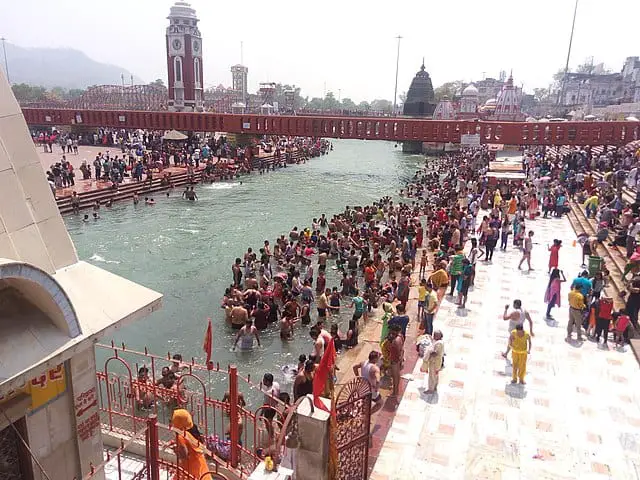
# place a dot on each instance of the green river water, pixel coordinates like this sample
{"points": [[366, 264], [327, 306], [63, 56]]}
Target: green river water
{"points": [[185, 250]]}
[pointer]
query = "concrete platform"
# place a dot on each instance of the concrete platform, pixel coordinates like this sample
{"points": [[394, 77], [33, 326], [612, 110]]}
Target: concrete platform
{"points": [[577, 417]]}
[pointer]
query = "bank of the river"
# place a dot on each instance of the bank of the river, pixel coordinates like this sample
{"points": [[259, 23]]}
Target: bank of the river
{"points": [[185, 250]]}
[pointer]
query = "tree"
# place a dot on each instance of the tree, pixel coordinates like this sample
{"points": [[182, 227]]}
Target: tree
{"points": [[28, 93], [448, 89], [364, 106], [158, 81], [316, 103], [75, 93], [381, 105], [541, 94], [330, 102], [348, 104]]}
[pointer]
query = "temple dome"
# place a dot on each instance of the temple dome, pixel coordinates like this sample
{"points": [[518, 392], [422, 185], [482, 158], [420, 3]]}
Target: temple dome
{"points": [[420, 101], [470, 91]]}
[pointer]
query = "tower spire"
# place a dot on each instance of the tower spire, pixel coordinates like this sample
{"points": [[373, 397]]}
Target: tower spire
{"points": [[422, 62]]}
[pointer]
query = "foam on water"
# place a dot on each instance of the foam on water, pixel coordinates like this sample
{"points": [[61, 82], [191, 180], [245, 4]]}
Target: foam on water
{"points": [[97, 258]]}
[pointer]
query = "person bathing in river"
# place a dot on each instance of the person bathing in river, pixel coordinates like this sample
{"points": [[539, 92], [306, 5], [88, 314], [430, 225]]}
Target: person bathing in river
{"points": [[246, 335]]}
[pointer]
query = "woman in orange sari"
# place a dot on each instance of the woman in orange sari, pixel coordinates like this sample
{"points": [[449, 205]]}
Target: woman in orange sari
{"points": [[189, 450]]}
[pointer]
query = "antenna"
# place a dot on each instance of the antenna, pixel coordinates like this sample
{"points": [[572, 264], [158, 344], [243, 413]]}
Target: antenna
{"points": [[241, 52]]}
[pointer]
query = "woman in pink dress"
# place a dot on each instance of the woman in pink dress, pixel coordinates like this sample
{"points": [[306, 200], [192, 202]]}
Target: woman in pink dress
{"points": [[552, 295]]}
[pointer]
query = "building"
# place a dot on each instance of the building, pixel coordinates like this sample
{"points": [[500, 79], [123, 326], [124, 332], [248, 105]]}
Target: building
{"points": [[239, 82], [184, 59], [420, 101], [508, 104], [599, 88], [469, 102], [489, 88], [50, 318], [444, 110]]}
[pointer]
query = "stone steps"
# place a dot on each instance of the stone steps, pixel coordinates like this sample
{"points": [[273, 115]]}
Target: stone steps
{"points": [[127, 190]]}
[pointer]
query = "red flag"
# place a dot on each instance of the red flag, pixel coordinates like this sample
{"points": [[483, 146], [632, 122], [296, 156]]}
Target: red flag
{"points": [[325, 368], [208, 344]]}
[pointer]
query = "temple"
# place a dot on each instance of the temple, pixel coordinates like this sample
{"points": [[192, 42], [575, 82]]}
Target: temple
{"points": [[420, 101], [53, 308]]}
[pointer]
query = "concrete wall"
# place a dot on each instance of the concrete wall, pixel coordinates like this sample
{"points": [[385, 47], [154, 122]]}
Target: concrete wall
{"points": [[53, 441]]}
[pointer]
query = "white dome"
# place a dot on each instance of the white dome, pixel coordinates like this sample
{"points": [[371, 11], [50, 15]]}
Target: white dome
{"points": [[470, 91]]}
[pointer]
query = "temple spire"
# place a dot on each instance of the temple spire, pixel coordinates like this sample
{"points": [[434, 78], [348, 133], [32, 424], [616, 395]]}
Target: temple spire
{"points": [[422, 67]]}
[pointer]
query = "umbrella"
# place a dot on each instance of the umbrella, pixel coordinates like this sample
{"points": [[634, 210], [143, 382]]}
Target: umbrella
{"points": [[632, 119], [545, 179], [631, 147], [174, 135]]}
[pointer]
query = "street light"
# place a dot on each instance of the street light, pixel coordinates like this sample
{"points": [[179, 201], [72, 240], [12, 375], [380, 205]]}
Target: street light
{"points": [[566, 67], [6, 63], [395, 91]]}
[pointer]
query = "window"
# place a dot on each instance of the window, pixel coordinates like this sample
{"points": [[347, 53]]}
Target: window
{"points": [[196, 70], [177, 69]]}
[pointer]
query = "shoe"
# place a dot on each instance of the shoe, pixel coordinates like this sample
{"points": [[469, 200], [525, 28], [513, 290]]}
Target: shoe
{"points": [[514, 381], [522, 382]]}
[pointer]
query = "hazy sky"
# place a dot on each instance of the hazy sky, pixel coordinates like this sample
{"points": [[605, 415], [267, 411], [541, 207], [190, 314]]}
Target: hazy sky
{"points": [[347, 44]]}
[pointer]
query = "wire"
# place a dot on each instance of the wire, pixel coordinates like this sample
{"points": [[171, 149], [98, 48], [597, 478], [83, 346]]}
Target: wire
{"points": [[24, 443]]}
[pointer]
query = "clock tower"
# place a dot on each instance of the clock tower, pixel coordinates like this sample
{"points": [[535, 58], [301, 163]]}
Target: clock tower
{"points": [[184, 59]]}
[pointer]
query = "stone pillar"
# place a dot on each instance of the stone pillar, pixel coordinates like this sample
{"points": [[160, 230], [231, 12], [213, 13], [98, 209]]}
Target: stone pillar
{"points": [[85, 410], [312, 457]]}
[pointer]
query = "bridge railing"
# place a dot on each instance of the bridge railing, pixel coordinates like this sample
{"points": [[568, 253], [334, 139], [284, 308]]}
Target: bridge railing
{"points": [[370, 128]]}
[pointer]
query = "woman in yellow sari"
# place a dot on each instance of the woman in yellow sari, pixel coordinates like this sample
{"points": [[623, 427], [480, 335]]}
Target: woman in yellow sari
{"points": [[189, 450]]}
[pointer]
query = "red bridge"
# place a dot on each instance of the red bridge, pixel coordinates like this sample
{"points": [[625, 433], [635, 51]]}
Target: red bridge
{"points": [[365, 128]]}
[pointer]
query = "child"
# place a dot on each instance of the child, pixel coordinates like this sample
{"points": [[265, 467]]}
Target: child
{"points": [[423, 263], [504, 236], [621, 325]]}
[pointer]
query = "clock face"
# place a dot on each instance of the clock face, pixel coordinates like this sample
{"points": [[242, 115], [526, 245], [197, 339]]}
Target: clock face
{"points": [[196, 46], [177, 44]]}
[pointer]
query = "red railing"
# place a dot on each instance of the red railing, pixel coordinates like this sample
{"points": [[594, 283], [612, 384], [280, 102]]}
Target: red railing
{"points": [[369, 128], [232, 431]]}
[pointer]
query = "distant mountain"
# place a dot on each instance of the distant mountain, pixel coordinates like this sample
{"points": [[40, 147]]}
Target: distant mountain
{"points": [[60, 67]]}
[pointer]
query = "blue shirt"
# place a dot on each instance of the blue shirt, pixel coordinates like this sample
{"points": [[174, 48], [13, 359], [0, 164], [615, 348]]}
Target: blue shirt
{"points": [[358, 303], [402, 320], [583, 284]]}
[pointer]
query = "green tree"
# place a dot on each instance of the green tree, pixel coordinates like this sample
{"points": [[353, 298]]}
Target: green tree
{"points": [[316, 103], [158, 81], [75, 93], [364, 106], [541, 94], [348, 104], [330, 102], [29, 93], [448, 89], [381, 105]]}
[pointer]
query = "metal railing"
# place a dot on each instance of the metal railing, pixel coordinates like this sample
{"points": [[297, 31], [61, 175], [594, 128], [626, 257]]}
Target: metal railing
{"points": [[230, 430]]}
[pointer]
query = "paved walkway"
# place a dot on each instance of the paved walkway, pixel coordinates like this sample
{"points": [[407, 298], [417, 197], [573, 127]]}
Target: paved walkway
{"points": [[577, 417]]}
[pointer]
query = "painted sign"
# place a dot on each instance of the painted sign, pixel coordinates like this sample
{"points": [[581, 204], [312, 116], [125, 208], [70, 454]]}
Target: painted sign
{"points": [[41, 389], [470, 140]]}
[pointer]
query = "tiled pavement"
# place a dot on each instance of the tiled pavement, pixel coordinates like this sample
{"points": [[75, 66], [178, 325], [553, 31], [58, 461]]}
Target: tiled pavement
{"points": [[577, 417]]}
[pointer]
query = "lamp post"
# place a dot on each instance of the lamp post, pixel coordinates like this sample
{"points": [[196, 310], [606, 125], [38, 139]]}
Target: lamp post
{"points": [[566, 67], [395, 90], [6, 62]]}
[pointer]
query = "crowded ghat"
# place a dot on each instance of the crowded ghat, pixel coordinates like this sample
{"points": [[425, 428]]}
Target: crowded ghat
{"points": [[347, 281]]}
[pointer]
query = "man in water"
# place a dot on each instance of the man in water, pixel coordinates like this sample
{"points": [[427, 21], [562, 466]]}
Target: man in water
{"points": [[189, 194], [246, 336], [370, 371], [239, 316]]}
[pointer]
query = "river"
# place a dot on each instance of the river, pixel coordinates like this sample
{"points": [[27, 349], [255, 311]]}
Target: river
{"points": [[185, 250]]}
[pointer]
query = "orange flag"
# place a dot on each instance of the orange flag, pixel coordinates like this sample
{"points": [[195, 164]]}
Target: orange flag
{"points": [[208, 345], [322, 373]]}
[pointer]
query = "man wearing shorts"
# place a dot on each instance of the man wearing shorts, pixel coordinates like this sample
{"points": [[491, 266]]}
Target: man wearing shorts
{"points": [[370, 371]]}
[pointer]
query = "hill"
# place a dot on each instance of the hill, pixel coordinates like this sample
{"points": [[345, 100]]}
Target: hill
{"points": [[60, 67]]}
